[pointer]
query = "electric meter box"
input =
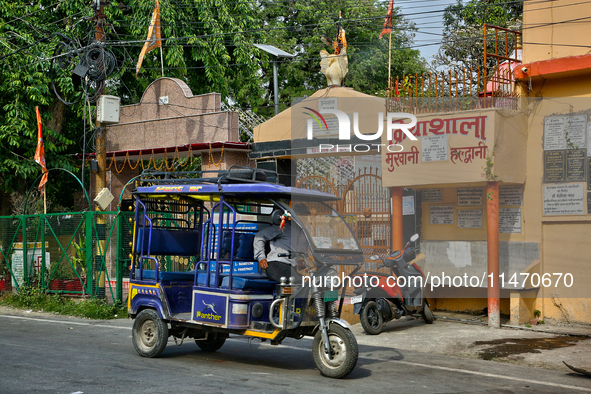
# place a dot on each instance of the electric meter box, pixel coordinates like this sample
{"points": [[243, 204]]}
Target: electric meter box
{"points": [[103, 199], [107, 109]]}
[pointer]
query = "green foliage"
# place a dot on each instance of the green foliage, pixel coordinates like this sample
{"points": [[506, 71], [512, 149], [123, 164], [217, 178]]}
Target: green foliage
{"points": [[537, 313], [462, 44], [207, 43], [33, 298]]}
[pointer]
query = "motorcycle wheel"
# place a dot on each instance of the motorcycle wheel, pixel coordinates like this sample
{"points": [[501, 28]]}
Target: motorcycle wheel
{"points": [[427, 314], [149, 334], [372, 320], [345, 352]]}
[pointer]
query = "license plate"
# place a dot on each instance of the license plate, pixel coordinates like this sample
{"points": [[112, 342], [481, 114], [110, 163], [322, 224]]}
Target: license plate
{"points": [[331, 295], [356, 300]]}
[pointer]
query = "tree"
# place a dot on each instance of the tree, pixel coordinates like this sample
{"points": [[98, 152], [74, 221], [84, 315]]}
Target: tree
{"points": [[25, 83], [298, 27], [207, 43], [462, 44]]}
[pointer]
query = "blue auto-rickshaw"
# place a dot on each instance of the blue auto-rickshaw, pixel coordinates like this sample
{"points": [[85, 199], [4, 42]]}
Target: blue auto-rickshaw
{"points": [[194, 274]]}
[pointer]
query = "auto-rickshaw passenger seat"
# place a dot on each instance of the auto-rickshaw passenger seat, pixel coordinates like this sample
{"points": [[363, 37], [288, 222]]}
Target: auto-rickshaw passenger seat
{"points": [[169, 242]]}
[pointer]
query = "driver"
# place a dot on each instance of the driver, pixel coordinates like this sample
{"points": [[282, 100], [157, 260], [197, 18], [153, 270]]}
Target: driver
{"points": [[280, 243]]}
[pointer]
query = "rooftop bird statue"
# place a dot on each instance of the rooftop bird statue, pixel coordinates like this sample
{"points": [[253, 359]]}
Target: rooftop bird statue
{"points": [[335, 67]]}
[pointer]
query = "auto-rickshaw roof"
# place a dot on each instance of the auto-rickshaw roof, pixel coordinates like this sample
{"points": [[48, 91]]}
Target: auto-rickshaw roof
{"points": [[258, 189]]}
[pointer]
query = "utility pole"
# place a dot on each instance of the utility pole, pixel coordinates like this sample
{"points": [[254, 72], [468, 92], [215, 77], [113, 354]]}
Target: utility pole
{"points": [[101, 157]]}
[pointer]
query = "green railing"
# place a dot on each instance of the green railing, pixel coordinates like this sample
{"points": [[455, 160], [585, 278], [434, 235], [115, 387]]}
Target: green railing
{"points": [[67, 253]]}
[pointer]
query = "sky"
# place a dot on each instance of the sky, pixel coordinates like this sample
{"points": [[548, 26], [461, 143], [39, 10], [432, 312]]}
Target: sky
{"points": [[428, 22]]}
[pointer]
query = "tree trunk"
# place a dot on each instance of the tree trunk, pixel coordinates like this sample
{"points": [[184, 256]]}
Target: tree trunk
{"points": [[5, 209], [57, 109]]}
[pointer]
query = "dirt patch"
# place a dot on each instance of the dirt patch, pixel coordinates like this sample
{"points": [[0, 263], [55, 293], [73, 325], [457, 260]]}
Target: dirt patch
{"points": [[506, 347]]}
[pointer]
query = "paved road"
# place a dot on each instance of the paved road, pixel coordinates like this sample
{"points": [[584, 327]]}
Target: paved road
{"points": [[60, 355]]}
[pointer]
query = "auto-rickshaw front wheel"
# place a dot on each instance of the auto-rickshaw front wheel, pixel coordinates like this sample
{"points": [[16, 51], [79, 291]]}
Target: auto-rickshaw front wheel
{"points": [[149, 333], [343, 357]]}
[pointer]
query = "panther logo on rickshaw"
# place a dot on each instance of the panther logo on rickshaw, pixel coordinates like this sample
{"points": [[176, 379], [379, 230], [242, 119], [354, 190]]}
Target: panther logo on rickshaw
{"points": [[209, 306]]}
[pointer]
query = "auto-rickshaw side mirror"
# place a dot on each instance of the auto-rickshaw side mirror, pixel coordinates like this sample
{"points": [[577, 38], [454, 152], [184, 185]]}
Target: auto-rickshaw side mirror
{"points": [[414, 238], [374, 257]]}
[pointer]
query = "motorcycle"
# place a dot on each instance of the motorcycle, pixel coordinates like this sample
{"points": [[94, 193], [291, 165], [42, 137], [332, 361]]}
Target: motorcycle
{"points": [[382, 297]]}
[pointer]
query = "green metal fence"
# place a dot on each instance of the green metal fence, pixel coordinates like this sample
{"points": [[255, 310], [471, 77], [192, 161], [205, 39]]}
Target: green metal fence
{"points": [[68, 253]]}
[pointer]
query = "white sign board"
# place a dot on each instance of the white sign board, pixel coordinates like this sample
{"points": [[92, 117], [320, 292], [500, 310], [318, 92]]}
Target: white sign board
{"points": [[470, 197], [509, 220], [328, 104], [510, 195], [441, 214], [554, 128], [576, 131], [432, 195], [408, 205], [469, 218], [564, 199], [434, 148]]}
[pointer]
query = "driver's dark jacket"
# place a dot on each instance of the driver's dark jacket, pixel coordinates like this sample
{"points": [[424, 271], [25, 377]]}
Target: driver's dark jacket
{"points": [[280, 242]]}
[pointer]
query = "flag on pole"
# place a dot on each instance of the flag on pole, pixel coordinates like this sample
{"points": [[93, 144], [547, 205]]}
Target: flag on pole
{"points": [[153, 40], [40, 152], [388, 21]]}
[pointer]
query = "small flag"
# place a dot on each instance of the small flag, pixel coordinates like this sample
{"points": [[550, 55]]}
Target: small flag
{"points": [[388, 21], [153, 40], [40, 152]]}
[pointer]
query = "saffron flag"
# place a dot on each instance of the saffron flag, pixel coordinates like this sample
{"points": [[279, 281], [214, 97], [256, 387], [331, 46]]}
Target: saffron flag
{"points": [[153, 40], [388, 21], [40, 152]]}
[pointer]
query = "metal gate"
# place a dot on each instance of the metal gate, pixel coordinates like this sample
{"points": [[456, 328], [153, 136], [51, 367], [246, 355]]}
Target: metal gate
{"points": [[364, 204]]}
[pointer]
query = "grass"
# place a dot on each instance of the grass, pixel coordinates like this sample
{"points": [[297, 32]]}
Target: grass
{"points": [[32, 298]]}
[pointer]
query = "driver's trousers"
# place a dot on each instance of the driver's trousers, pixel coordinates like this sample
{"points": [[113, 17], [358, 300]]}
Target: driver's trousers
{"points": [[277, 269]]}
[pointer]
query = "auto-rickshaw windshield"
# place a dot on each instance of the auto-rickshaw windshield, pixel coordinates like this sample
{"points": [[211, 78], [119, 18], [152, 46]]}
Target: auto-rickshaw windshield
{"points": [[325, 226]]}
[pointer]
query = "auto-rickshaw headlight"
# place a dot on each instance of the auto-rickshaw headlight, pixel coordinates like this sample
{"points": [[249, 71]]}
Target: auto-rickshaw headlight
{"points": [[329, 274]]}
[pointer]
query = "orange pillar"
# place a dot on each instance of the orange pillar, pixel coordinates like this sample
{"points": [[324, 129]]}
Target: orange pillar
{"points": [[492, 218], [397, 241]]}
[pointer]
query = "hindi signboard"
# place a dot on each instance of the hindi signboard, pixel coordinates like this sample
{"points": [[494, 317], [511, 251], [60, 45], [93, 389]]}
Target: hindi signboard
{"points": [[470, 197], [576, 131], [511, 195], [510, 220], [469, 218], [564, 199], [554, 127], [554, 166], [441, 214], [575, 165], [432, 195], [434, 148]]}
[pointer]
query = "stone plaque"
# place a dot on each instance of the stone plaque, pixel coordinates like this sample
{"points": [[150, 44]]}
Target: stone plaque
{"points": [[469, 197], [576, 131], [511, 195], [554, 128], [432, 195], [564, 199], [509, 220], [554, 166], [441, 214], [575, 165], [471, 218], [434, 148]]}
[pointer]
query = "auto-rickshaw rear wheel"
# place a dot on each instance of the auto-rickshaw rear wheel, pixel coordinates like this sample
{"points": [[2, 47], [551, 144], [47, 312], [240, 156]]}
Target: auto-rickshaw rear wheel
{"points": [[211, 344], [344, 352], [149, 333]]}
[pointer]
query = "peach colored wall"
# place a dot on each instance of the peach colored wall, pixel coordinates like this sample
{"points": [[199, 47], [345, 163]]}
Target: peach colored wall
{"points": [[554, 23]]}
